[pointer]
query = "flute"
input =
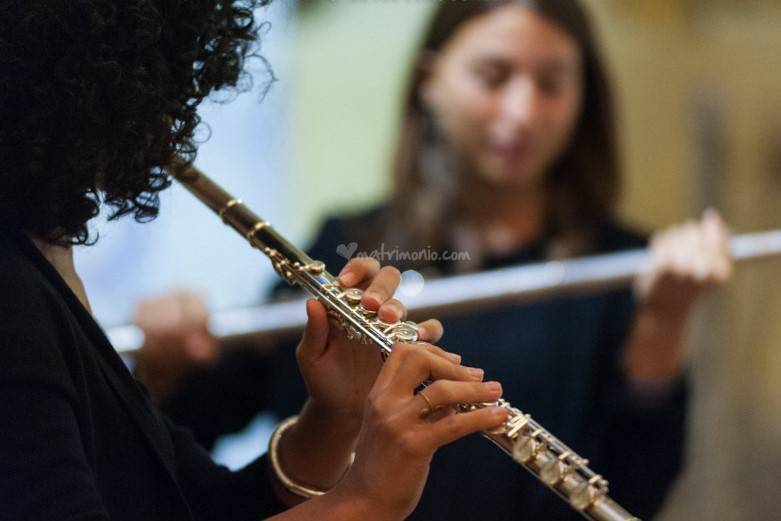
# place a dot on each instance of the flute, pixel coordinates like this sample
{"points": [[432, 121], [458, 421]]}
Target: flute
{"points": [[455, 294], [526, 441]]}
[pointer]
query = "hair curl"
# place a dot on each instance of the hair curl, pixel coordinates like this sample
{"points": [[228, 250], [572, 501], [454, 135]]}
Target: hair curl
{"points": [[98, 96]]}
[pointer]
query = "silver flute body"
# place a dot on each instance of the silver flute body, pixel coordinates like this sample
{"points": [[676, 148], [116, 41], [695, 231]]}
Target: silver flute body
{"points": [[458, 294], [521, 437]]}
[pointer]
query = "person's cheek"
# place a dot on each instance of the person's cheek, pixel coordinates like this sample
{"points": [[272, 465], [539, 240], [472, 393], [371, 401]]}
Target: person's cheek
{"points": [[483, 115], [474, 105], [572, 106], [471, 123], [559, 129]]}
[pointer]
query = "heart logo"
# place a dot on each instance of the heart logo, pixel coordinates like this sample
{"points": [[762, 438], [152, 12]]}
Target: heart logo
{"points": [[347, 250]]}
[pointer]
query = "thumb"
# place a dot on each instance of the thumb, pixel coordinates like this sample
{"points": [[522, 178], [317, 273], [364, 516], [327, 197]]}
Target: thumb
{"points": [[315, 336]]}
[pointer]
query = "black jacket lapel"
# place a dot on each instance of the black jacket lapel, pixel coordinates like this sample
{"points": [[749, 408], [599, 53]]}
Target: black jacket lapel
{"points": [[127, 390]]}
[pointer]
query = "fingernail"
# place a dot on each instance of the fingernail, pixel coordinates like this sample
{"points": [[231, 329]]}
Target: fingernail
{"points": [[499, 412], [347, 278], [390, 315], [493, 387], [476, 373], [371, 298]]}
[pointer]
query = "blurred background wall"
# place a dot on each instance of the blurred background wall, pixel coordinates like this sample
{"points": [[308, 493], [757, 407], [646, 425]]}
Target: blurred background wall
{"points": [[698, 84]]}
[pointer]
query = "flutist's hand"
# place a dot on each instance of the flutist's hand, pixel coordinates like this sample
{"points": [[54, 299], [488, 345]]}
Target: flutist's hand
{"points": [[398, 437], [339, 372], [688, 261]]}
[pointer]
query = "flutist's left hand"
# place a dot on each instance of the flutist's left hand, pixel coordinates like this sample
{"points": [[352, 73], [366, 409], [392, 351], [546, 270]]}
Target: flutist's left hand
{"points": [[339, 372]]}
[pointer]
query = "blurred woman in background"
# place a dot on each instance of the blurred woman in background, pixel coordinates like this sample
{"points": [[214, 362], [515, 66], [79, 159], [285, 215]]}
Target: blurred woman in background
{"points": [[507, 152]]}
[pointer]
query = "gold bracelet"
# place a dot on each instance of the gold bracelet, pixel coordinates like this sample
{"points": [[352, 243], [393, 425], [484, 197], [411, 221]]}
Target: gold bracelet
{"points": [[273, 450]]}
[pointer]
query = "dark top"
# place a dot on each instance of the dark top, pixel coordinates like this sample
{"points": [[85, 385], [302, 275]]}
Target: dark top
{"points": [[557, 359], [79, 439]]}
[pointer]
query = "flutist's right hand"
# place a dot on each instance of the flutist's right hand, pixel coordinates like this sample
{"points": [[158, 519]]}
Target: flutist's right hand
{"points": [[400, 434]]}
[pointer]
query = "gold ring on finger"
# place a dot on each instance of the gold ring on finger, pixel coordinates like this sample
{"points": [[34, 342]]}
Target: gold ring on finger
{"points": [[429, 406]]}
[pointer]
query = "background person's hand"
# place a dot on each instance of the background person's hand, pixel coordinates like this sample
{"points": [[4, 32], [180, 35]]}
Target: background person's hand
{"points": [[176, 340], [688, 261]]}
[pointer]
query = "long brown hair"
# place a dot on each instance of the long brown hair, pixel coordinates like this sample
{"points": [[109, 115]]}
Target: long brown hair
{"points": [[584, 181]]}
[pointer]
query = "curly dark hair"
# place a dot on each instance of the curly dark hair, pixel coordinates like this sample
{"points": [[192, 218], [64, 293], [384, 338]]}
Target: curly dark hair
{"points": [[99, 96]]}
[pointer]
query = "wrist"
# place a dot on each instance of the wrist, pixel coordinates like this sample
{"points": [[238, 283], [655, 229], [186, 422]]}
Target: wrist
{"points": [[318, 449], [655, 353], [341, 504], [289, 490], [355, 501], [340, 422], [668, 318], [660, 332]]}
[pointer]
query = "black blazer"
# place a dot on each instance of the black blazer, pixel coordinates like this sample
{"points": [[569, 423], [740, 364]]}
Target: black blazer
{"points": [[79, 439]]}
